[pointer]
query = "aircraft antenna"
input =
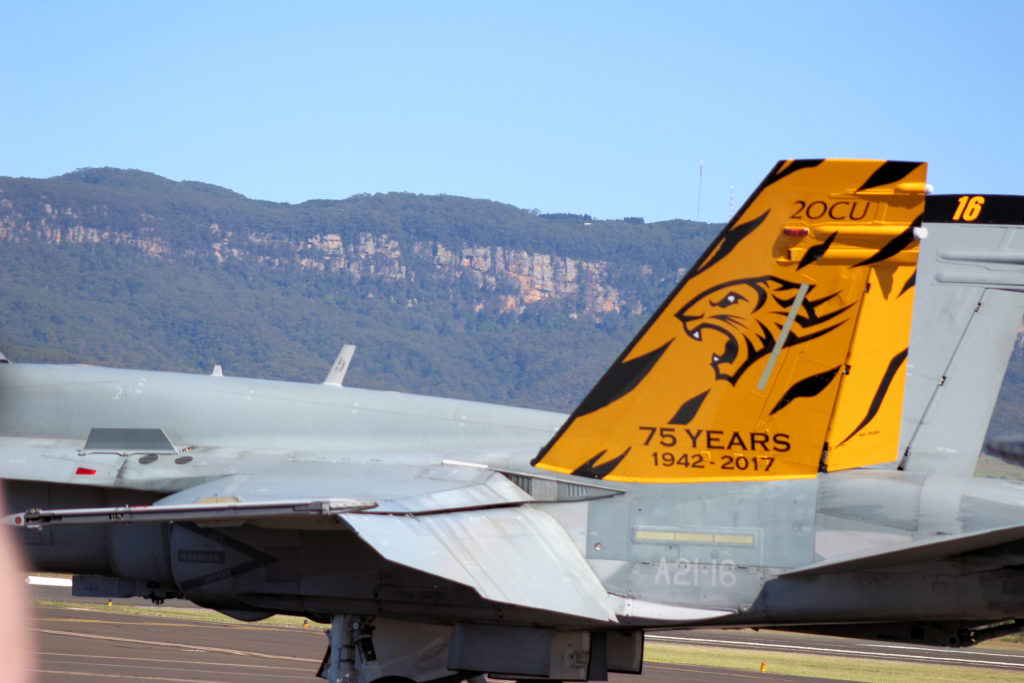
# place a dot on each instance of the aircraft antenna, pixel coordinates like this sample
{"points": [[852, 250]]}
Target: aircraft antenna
{"points": [[700, 186]]}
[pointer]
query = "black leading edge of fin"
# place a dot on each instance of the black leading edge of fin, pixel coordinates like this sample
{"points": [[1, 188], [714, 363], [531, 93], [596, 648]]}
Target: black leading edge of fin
{"points": [[599, 396], [792, 168]]}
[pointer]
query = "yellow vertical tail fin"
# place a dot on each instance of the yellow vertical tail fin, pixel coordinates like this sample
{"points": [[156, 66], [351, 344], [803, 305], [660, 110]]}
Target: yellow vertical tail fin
{"points": [[781, 352]]}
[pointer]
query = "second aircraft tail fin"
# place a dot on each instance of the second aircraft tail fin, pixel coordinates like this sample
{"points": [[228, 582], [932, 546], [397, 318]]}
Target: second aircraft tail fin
{"points": [[963, 333], [783, 349]]}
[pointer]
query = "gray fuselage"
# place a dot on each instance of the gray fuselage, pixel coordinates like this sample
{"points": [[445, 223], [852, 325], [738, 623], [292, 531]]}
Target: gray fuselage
{"points": [[719, 546]]}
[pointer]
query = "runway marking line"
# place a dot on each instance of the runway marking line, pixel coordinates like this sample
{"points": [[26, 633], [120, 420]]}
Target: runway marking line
{"points": [[894, 646], [865, 644], [183, 646], [161, 661], [107, 676], [743, 644], [163, 622], [200, 673]]}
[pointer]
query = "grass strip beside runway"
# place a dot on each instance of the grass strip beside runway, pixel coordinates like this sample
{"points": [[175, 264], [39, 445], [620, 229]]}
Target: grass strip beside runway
{"points": [[821, 666], [189, 613]]}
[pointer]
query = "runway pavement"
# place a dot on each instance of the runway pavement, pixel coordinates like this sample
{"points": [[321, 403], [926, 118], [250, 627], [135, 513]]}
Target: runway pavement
{"points": [[91, 644], [86, 645]]}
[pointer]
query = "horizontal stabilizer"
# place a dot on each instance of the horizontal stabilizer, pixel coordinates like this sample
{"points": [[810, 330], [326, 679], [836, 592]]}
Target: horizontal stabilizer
{"points": [[923, 551], [519, 556]]}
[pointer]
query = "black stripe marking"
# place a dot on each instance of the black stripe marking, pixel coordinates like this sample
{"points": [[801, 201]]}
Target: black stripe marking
{"points": [[688, 410], [889, 172], [796, 339], [728, 240], [880, 393], [816, 252], [909, 284], [895, 246], [779, 171], [620, 379], [797, 165], [806, 388], [591, 469]]}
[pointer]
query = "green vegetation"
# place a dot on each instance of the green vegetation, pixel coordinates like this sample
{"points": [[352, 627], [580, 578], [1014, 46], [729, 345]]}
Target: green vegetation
{"points": [[119, 268], [190, 613], [78, 304], [126, 268]]}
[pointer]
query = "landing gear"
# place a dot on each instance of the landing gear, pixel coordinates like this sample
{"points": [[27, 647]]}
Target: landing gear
{"points": [[339, 665], [368, 650], [377, 650]]}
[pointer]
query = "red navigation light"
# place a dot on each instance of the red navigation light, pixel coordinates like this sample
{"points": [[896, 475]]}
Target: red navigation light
{"points": [[795, 232], [84, 470]]}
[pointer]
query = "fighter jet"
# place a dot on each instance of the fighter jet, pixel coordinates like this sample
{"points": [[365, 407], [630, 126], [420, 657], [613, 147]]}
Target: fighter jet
{"points": [[778, 447]]}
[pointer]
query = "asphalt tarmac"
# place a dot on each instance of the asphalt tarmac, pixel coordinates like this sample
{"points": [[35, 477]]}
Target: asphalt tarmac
{"points": [[86, 644]]}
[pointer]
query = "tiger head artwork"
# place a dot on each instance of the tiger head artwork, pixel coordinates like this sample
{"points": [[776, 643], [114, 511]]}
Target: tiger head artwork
{"points": [[744, 318]]}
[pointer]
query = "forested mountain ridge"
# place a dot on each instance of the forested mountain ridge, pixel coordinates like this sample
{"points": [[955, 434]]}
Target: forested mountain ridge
{"points": [[443, 295], [511, 256]]}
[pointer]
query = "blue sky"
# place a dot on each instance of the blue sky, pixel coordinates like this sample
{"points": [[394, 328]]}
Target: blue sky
{"points": [[585, 107]]}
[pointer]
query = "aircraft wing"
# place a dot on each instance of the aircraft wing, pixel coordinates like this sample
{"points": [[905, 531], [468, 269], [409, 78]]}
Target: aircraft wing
{"points": [[518, 555], [466, 524], [930, 550], [412, 484], [463, 522]]}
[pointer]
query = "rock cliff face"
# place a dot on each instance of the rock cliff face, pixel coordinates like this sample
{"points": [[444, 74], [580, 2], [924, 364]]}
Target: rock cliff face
{"points": [[414, 250], [505, 277], [67, 226]]}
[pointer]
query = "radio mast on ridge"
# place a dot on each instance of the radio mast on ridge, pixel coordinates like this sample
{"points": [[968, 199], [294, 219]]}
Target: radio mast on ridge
{"points": [[700, 186]]}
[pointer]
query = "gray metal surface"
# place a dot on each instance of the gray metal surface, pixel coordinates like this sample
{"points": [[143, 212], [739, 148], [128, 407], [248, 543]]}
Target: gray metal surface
{"points": [[519, 556], [458, 534], [967, 311]]}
